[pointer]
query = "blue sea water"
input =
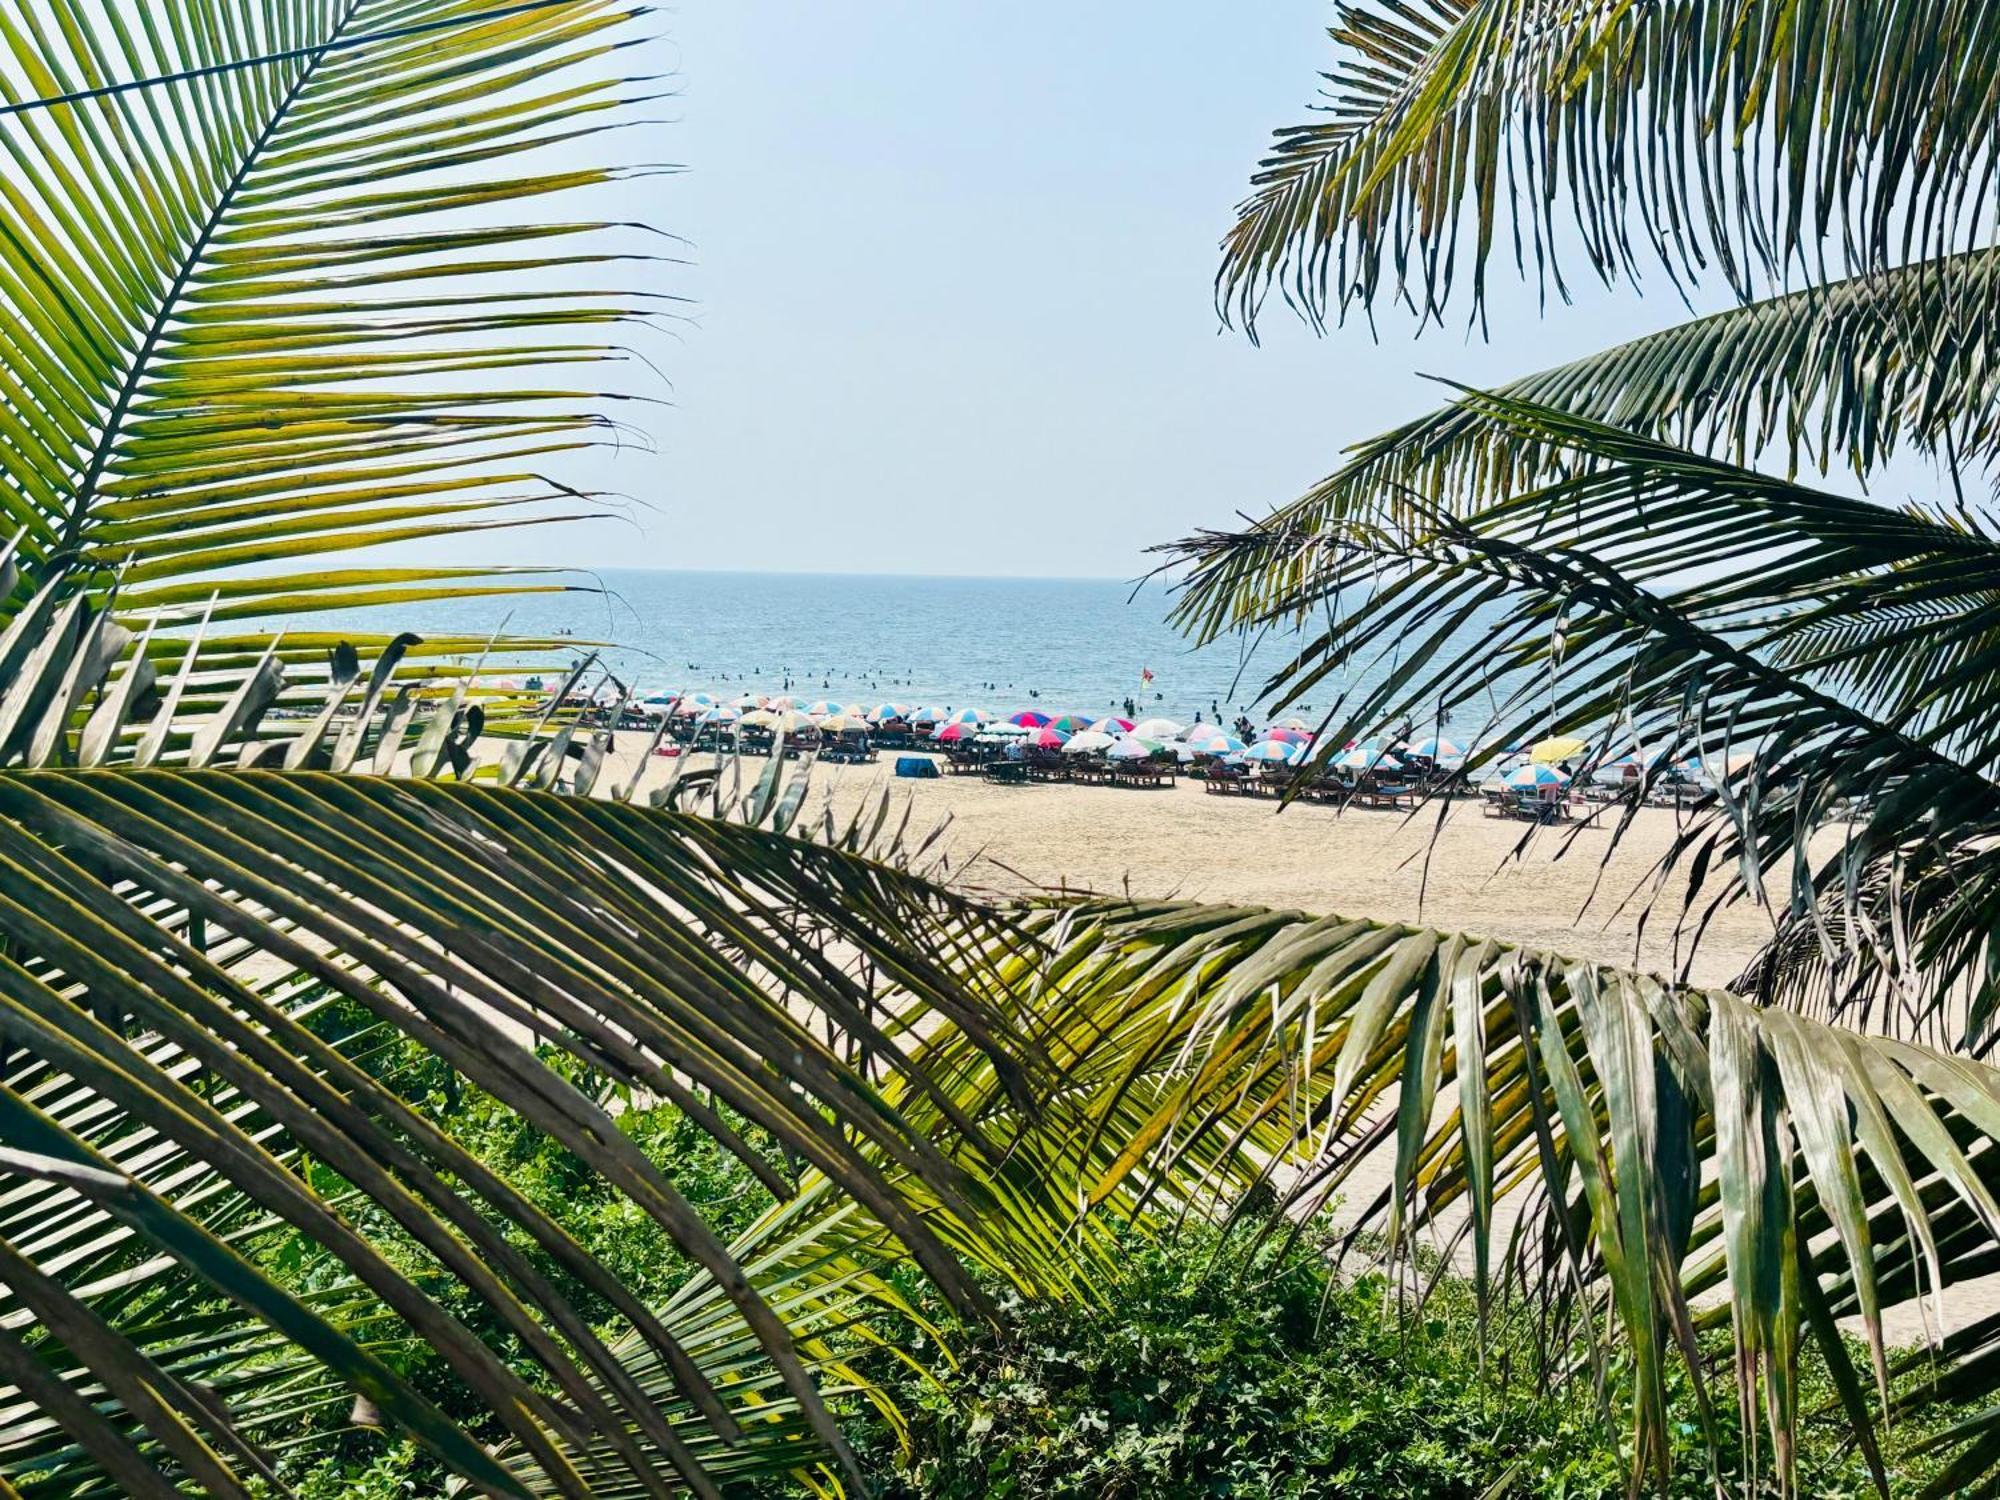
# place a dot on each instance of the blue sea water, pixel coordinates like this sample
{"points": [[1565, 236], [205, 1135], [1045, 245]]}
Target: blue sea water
{"points": [[993, 643]]}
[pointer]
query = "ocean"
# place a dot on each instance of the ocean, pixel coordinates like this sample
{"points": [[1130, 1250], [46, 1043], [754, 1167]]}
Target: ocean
{"points": [[993, 643], [997, 644]]}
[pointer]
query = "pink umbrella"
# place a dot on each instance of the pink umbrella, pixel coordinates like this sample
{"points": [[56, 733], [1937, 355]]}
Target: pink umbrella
{"points": [[1288, 736], [951, 732], [1113, 726], [1047, 738], [1029, 719]]}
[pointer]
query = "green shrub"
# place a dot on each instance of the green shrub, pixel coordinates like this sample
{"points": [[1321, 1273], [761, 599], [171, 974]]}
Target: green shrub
{"points": [[1211, 1368], [1212, 1371]]}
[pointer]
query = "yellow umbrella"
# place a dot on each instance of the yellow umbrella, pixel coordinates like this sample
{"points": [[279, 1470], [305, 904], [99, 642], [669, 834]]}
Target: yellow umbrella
{"points": [[1562, 747], [844, 724]]}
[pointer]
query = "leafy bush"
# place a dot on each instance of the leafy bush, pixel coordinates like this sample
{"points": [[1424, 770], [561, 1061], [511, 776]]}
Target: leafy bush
{"points": [[1215, 1371], [1212, 1367]]}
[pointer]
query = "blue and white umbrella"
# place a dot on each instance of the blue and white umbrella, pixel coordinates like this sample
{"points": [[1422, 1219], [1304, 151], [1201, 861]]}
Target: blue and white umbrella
{"points": [[882, 712], [965, 716], [1221, 744], [720, 714], [1436, 748], [1277, 751], [1534, 775], [1365, 756]]}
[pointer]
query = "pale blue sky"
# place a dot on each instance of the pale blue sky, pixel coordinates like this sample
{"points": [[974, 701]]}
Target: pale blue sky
{"points": [[951, 266]]}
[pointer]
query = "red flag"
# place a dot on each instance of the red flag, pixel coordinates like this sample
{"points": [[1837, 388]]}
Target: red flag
{"points": [[1145, 674]]}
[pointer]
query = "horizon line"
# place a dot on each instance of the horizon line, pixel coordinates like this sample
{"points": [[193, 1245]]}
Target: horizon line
{"points": [[1137, 582]]}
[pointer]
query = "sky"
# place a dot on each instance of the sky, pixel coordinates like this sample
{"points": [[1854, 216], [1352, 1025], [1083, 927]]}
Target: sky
{"points": [[950, 276]]}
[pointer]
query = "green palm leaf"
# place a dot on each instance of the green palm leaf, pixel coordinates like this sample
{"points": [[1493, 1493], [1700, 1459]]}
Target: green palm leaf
{"points": [[1757, 140], [1692, 1144], [258, 309], [1842, 647]]}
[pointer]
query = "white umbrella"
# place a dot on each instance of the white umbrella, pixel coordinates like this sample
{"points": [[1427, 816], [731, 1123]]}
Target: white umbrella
{"points": [[1156, 729], [1130, 747], [1088, 739], [1198, 733]]}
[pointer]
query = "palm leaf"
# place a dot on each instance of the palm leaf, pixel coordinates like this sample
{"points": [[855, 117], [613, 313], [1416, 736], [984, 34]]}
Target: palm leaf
{"points": [[1695, 1145], [249, 281], [1751, 139], [1833, 670], [167, 930]]}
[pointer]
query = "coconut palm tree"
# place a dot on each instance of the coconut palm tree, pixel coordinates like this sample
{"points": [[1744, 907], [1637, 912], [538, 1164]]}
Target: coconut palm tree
{"points": [[1627, 547]]}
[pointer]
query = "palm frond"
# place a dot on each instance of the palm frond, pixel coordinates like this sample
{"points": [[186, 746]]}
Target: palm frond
{"points": [[1843, 374], [166, 931], [1642, 1159], [1752, 140], [1679, 604], [263, 306]]}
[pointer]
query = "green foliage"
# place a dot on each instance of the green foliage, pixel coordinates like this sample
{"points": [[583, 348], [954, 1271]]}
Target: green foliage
{"points": [[626, 1241], [1212, 1370]]}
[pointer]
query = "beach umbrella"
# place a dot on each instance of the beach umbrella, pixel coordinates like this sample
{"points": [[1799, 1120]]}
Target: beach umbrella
{"points": [[1006, 731], [1198, 733], [1048, 737], [781, 702], [1533, 775], [824, 707], [720, 714], [965, 716], [882, 712], [1132, 747], [1561, 747], [951, 734], [1285, 735], [1156, 729], [1283, 752], [1070, 723], [1436, 748], [1028, 718], [1293, 723], [1088, 739], [669, 699], [743, 702], [844, 724], [1224, 744], [928, 716], [1111, 725], [1366, 755]]}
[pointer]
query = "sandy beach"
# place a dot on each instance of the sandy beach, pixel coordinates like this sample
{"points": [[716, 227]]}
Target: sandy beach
{"points": [[1465, 873]]}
